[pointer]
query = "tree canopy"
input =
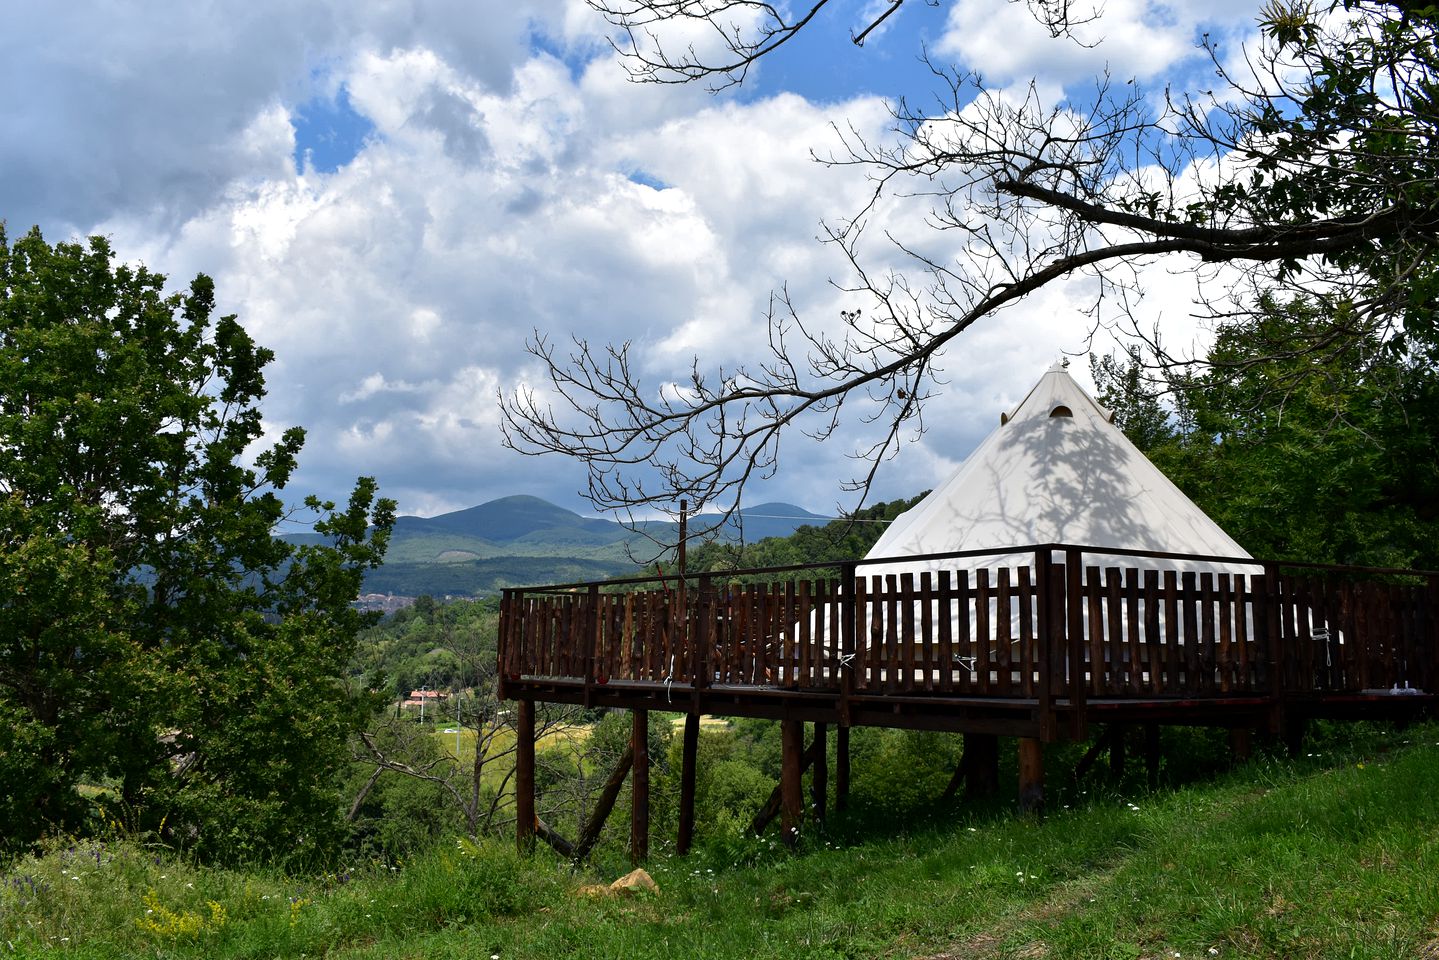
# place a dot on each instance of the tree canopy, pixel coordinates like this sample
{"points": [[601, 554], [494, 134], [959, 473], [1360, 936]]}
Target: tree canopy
{"points": [[157, 642], [1329, 461], [1311, 172]]}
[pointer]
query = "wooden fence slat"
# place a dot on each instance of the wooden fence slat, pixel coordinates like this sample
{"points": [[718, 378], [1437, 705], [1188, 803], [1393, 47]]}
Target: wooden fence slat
{"points": [[1003, 652], [906, 635], [1391, 598], [1410, 598], [1243, 636], [1225, 652], [926, 630], [1153, 640], [981, 629], [1027, 642], [964, 643], [1288, 601], [1189, 607], [945, 615], [862, 641], [1137, 657], [1120, 671], [1093, 600], [841, 608], [1208, 658], [1174, 650], [891, 633], [871, 632], [806, 619]]}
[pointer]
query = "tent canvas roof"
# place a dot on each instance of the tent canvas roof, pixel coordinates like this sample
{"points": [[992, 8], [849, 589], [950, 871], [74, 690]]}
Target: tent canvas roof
{"points": [[1056, 470]]}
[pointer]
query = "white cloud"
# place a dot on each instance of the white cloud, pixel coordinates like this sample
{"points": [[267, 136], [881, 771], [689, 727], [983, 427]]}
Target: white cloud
{"points": [[506, 188], [1129, 39]]}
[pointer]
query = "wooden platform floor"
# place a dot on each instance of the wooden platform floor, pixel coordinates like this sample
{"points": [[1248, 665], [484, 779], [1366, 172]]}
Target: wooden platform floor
{"points": [[1002, 716]]}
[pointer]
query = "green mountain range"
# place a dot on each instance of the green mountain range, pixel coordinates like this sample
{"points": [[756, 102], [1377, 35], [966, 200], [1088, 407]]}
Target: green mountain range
{"points": [[523, 540]]}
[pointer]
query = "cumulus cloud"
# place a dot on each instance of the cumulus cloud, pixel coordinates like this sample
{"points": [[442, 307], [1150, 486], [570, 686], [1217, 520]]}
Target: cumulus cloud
{"points": [[513, 181], [1138, 39]]}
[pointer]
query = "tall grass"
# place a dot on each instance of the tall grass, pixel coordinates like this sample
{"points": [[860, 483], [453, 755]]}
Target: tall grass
{"points": [[1330, 855]]}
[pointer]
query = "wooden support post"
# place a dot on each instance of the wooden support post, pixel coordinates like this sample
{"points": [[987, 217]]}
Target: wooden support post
{"points": [[1151, 753], [1048, 591], [981, 765], [687, 784], [772, 806], [640, 787], [841, 769], [1105, 741], [791, 774], [549, 835], [1275, 655], [592, 642], [1241, 742], [961, 773], [1294, 730], [590, 835], [848, 640], [1116, 751], [525, 775], [1031, 776], [1074, 648], [819, 783]]}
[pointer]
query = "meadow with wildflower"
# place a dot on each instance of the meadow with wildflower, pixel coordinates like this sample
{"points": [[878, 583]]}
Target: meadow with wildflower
{"points": [[1334, 854]]}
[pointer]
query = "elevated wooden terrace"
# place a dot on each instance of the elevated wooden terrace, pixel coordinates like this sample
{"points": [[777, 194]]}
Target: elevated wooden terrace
{"points": [[1038, 651]]}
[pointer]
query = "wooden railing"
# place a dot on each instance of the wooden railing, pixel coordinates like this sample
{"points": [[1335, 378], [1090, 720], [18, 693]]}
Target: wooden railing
{"points": [[1054, 628]]}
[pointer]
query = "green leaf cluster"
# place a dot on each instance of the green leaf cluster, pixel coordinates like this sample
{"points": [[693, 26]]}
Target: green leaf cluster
{"points": [[159, 647], [1324, 454]]}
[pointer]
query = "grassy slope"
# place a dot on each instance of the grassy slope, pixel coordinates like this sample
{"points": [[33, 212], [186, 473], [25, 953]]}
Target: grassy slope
{"points": [[1329, 856]]}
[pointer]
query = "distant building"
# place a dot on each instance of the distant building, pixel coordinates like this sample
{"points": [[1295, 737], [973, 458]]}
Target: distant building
{"points": [[420, 697], [384, 602]]}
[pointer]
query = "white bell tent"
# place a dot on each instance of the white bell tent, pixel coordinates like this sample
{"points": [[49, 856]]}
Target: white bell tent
{"points": [[1056, 470]]}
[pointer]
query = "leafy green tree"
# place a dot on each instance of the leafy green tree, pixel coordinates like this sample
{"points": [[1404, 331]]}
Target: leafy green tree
{"points": [[1325, 456], [154, 635], [1127, 391]]}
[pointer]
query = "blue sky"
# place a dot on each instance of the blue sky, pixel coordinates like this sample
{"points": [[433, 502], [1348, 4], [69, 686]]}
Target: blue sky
{"points": [[393, 196]]}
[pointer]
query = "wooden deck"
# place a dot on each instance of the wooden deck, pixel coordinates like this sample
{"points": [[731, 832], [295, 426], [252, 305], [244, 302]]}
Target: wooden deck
{"points": [[1038, 651]]}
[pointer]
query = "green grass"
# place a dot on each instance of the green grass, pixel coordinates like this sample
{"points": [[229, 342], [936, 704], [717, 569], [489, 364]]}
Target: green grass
{"points": [[1328, 856]]}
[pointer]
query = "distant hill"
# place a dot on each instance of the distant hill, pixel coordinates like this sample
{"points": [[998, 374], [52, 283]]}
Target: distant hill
{"points": [[521, 540]]}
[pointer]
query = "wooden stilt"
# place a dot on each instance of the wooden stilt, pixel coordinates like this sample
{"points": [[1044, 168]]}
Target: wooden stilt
{"points": [[1031, 776], [590, 835], [1151, 753], [841, 768], [1116, 751], [525, 775], [1294, 730], [687, 784], [548, 834], [1242, 743], [772, 806], [791, 773], [640, 787], [981, 765], [819, 782], [1102, 743], [960, 770]]}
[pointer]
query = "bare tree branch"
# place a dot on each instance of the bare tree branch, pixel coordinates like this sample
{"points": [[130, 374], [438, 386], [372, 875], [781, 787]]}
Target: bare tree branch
{"points": [[1312, 174]]}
